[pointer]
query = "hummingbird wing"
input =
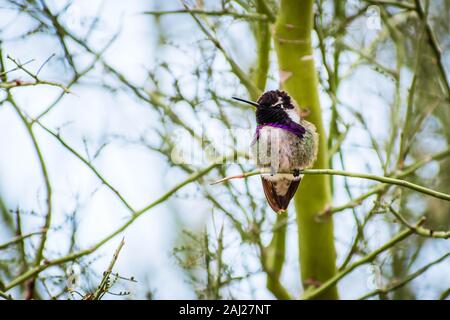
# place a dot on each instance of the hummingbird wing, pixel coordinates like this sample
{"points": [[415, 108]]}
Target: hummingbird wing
{"points": [[276, 194]]}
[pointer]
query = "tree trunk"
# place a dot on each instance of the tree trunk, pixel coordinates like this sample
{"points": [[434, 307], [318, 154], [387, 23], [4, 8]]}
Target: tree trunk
{"points": [[299, 78]]}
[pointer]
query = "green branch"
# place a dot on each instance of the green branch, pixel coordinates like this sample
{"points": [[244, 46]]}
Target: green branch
{"points": [[263, 49], [75, 255], [88, 164], [5, 296], [20, 83], [298, 76], [273, 256], [43, 167], [394, 181], [387, 180], [396, 3], [434, 44], [105, 283], [378, 188], [398, 284], [237, 15], [4, 84], [370, 257], [424, 232], [243, 77], [445, 294], [18, 239]]}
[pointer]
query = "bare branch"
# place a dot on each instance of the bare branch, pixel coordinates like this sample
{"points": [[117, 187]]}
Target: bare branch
{"points": [[400, 283], [418, 229], [237, 15], [367, 176], [370, 257]]}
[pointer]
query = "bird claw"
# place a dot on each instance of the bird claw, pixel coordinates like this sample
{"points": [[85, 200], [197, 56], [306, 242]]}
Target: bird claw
{"points": [[272, 171]]}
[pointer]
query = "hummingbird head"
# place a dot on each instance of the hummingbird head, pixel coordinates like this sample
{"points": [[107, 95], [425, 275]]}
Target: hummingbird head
{"points": [[273, 98], [276, 98], [274, 106]]}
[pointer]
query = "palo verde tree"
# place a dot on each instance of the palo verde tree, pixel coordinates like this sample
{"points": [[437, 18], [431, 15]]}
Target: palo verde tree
{"points": [[117, 119]]}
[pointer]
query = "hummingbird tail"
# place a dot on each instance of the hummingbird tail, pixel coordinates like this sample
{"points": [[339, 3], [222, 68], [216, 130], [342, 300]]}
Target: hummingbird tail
{"points": [[279, 202]]}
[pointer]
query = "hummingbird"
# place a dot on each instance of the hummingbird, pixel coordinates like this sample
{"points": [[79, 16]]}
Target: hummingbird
{"points": [[283, 144]]}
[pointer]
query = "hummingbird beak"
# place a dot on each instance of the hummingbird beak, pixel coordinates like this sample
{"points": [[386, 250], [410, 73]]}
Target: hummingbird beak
{"points": [[247, 101]]}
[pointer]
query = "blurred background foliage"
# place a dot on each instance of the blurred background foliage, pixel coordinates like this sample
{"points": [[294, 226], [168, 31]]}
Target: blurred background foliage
{"points": [[99, 101]]}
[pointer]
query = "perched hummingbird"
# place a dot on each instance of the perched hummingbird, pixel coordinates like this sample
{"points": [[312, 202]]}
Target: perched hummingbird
{"points": [[283, 144]]}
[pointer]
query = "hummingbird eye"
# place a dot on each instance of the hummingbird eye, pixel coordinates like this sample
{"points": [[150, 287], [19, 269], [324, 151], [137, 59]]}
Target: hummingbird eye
{"points": [[278, 104], [288, 106]]}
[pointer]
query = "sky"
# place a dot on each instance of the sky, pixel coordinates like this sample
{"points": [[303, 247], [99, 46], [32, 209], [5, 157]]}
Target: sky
{"points": [[94, 115]]}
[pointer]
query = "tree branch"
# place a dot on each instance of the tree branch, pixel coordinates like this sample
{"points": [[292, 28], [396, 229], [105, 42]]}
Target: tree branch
{"points": [[18, 238], [88, 164], [418, 229], [104, 284], [75, 255], [237, 15], [246, 81], [273, 256], [387, 180], [370, 257], [434, 44], [398, 284]]}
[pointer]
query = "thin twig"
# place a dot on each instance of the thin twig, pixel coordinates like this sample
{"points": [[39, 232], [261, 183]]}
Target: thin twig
{"points": [[398, 284], [104, 284], [396, 3], [5, 296], [237, 15], [75, 255], [435, 46], [36, 80], [88, 164], [18, 238], [418, 229], [246, 81], [378, 188], [43, 167]]}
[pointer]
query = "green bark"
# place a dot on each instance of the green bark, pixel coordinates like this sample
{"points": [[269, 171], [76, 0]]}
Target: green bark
{"points": [[299, 78], [263, 44], [275, 253]]}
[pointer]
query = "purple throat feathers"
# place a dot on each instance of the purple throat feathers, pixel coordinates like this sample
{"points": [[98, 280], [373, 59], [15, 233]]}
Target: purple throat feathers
{"points": [[294, 128]]}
